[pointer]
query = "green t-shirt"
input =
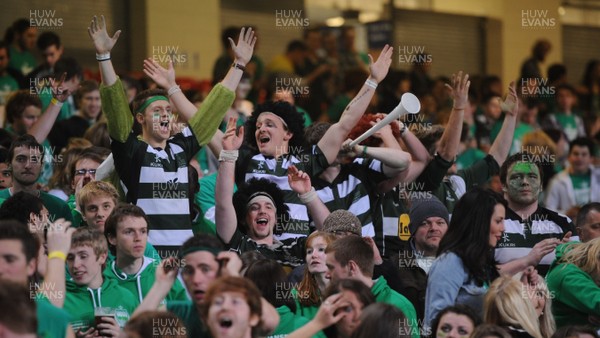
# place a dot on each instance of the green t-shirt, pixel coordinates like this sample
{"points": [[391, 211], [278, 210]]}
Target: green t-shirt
{"points": [[186, 310], [65, 111], [520, 130], [568, 124], [469, 157], [22, 61], [582, 186], [7, 85], [290, 322], [52, 321], [205, 200]]}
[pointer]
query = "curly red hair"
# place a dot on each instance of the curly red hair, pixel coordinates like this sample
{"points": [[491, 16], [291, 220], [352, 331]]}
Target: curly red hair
{"points": [[364, 124]]}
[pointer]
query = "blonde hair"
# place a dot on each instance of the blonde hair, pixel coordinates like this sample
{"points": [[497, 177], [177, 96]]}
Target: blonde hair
{"points": [[506, 304], [96, 189], [585, 256], [536, 141]]}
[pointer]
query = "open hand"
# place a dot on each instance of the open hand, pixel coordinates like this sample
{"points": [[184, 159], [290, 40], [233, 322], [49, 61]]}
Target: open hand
{"points": [[380, 68], [59, 236], [245, 46], [165, 78], [511, 104], [102, 41], [459, 90], [299, 180], [231, 140]]}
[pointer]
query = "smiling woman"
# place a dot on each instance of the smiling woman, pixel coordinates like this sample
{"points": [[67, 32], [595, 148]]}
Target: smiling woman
{"points": [[465, 265]]}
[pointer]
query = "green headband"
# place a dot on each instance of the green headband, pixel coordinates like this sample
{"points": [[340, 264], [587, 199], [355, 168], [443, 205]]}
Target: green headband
{"points": [[149, 101], [214, 251]]}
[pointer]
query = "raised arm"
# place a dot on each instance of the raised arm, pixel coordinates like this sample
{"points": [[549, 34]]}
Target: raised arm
{"points": [[448, 148], [331, 142], [104, 44], [225, 217], [41, 128], [300, 182], [166, 274], [503, 141], [59, 241]]}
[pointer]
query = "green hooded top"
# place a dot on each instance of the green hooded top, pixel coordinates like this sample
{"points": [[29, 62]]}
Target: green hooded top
{"points": [[140, 283], [82, 300], [290, 322], [575, 294], [384, 294], [52, 321]]}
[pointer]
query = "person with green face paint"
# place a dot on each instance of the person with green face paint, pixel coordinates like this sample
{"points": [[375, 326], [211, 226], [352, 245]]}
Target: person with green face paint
{"points": [[532, 232]]}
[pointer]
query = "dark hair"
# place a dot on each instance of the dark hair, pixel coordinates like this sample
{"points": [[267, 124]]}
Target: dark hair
{"points": [[144, 324], [116, 216], [229, 32], [383, 320], [20, 314], [18, 101], [486, 330], [293, 119], [19, 207], [4, 45], [353, 248], [18, 27], [583, 212], [354, 79], [67, 65], [85, 87], [459, 309], [574, 331], [363, 292], [314, 132], [98, 135], [566, 86], [27, 141], [91, 153], [48, 39], [296, 45], [588, 79], [556, 71], [469, 232], [583, 142], [519, 157], [249, 188], [15, 230], [270, 278], [202, 240], [311, 30]]}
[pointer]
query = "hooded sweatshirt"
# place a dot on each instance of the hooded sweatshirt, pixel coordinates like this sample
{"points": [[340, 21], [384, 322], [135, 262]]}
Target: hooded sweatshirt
{"points": [[82, 300], [140, 283], [574, 292], [384, 294]]}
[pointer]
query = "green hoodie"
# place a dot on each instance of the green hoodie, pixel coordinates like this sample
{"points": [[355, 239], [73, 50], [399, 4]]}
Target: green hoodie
{"points": [[82, 300], [290, 322], [140, 283], [384, 294], [52, 321], [575, 294]]}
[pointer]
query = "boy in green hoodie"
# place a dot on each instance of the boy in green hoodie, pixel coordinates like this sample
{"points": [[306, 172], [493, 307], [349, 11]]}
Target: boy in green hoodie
{"points": [[126, 230], [18, 260], [89, 290]]}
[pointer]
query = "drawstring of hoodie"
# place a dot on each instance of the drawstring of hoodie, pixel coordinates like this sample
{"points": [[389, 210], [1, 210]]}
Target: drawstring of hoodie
{"points": [[99, 291], [123, 276]]}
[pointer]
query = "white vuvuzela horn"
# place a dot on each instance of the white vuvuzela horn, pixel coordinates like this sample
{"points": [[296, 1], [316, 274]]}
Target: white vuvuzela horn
{"points": [[409, 104]]}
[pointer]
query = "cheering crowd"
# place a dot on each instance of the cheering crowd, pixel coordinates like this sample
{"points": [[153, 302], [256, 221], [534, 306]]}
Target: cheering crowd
{"points": [[133, 208]]}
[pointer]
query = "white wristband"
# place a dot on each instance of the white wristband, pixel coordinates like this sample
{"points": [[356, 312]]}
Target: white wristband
{"points": [[371, 83], [228, 155], [103, 56], [174, 90], [308, 196]]}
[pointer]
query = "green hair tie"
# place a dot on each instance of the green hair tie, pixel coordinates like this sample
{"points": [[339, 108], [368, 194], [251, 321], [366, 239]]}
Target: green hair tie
{"points": [[149, 101], [214, 251]]}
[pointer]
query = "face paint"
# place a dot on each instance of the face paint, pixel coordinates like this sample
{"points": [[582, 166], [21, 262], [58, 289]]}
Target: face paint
{"points": [[523, 183]]}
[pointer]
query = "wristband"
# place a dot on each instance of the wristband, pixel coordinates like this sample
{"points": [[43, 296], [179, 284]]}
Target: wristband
{"points": [[103, 57], [173, 90], [455, 108], [228, 155], [364, 152], [57, 254], [371, 83], [308, 196], [55, 102], [239, 66]]}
